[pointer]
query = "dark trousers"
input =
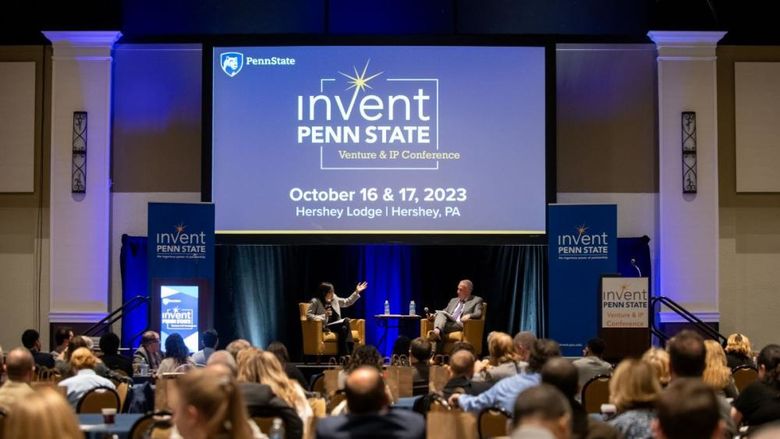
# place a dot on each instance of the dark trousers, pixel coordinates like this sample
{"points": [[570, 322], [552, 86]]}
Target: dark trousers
{"points": [[344, 339]]}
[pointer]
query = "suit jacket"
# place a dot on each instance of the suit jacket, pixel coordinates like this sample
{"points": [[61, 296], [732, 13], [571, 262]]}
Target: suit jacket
{"points": [[316, 309], [462, 384], [396, 423], [591, 367], [472, 307]]}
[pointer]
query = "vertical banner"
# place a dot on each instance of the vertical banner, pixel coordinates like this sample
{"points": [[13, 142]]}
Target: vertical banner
{"points": [[181, 269], [582, 245]]}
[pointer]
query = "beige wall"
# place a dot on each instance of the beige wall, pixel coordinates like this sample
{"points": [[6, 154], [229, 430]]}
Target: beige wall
{"points": [[24, 222], [749, 222]]}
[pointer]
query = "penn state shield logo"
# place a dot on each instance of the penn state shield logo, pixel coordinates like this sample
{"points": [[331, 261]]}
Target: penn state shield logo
{"points": [[231, 63]]}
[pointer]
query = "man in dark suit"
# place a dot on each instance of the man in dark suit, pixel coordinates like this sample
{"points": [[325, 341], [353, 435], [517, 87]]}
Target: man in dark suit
{"points": [[370, 415], [31, 339], [461, 373], [463, 307]]}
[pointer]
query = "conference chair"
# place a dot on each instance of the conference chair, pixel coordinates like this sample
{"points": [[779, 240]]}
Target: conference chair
{"points": [[493, 422], [594, 393], [471, 333], [318, 383], [153, 425], [317, 342], [122, 390], [743, 376], [97, 399]]}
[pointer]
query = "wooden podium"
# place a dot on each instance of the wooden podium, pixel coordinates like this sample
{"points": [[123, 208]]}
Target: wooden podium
{"points": [[624, 316]]}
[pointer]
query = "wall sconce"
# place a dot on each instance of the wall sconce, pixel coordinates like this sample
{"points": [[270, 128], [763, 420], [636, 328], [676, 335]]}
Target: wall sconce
{"points": [[78, 178], [689, 181]]}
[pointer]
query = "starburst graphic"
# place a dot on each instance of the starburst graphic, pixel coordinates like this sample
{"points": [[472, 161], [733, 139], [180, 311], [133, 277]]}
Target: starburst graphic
{"points": [[582, 229], [360, 81], [180, 228]]}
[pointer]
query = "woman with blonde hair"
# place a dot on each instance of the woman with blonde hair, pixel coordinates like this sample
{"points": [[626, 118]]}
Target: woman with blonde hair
{"points": [[503, 361], [716, 374], [659, 359], [44, 414], [634, 389], [82, 363], [739, 352]]}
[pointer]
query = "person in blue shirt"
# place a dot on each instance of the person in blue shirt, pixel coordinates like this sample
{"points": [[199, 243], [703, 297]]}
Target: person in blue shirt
{"points": [[83, 362], [504, 393]]}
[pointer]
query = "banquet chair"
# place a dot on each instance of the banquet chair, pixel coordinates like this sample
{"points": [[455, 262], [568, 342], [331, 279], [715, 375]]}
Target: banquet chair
{"points": [[471, 333], [743, 376], [594, 393], [97, 399], [154, 425], [317, 342], [493, 422]]}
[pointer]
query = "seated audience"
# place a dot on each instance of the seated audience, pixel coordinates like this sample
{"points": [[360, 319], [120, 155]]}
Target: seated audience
{"points": [[236, 346], [149, 351], [266, 389], [45, 414], [280, 350], [207, 404], [177, 356], [541, 412], [688, 409], [109, 344], [759, 402], [32, 341], [400, 354], [461, 376], [716, 374], [79, 341], [362, 355], [562, 374], [503, 360], [659, 359], [210, 342], [61, 339], [634, 389], [19, 368], [370, 415], [739, 352], [504, 392], [591, 365], [420, 351], [524, 342], [225, 359], [82, 363]]}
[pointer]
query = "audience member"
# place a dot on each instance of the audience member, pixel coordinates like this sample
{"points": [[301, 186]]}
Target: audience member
{"points": [[363, 355], [210, 341], [109, 344], [177, 356], [420, 351], [503, 360], [504, 393], [524, 342], [739, 352], [280, 350], [207, 404], [634, 389], [717, 374], [83, 362], [560, 373], [688, 409], [591, 365], [225, 359], [61, 339], [541, 412], [31, 339], [759, 402], [463, 307], [45, 414], [149, 351], [19, 368], [659, 359], [400, 353], [236, 346], [461, 376], [369, 413]]}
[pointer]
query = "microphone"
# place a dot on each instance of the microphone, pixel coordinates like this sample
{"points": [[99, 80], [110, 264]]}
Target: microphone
{"points": [[425, 310], [633, 262]]}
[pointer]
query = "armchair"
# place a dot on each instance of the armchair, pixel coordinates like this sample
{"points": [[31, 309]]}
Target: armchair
{"points": [[472, 332], [318, 342]]}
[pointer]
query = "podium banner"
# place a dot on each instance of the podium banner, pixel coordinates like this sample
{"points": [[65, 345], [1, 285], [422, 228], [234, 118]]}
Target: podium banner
{"points": [[624, 302], [180, 252], [582, 246]]}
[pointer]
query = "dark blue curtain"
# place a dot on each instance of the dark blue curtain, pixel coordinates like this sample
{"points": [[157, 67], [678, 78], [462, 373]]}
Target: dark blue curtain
{"points": [[133, 266]]}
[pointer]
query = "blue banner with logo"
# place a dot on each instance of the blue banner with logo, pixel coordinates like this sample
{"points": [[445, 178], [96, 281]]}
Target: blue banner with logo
{"points": [[582, 245], [181, 269]]}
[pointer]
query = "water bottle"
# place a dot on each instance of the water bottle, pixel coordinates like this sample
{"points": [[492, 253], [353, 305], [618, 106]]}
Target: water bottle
{"points": [[387, 307], [412, 310], [277, 429]]}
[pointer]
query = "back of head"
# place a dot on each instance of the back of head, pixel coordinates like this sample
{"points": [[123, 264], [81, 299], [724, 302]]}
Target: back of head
{"points": [[524, 342], [280, 350], [82, 358], [29, 338], [596, 346], [365, 391], [62, 335], [175, 348], [236, 346], [462, 364], [217, 399], [76, 342], [19, 365], [365, 355], [401, 346], [225, 359], [739, 344], [421, 349], [45, 414], [149, 337], [769, 360], [561, 374], [210, 339], [463, 346], [659, 359], [716, 372], [634, 384], [542, 350], [543, 403], [109, 343], [688, 408], [687, 355], [501, 348]]}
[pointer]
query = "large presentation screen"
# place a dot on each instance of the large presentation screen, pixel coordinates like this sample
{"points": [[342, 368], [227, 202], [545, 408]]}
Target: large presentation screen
{"points": [[380, 139]]}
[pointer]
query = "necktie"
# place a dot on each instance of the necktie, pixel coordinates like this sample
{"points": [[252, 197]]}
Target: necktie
{"points": [[458, 311]]}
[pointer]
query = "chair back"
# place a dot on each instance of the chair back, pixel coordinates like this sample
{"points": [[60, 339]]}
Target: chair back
{"points": [[594, 393], [121, 390], [97, 399], [303, 308], [318, 385], [151, 425], [493, 422], [744, 376], [264, 423]]}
